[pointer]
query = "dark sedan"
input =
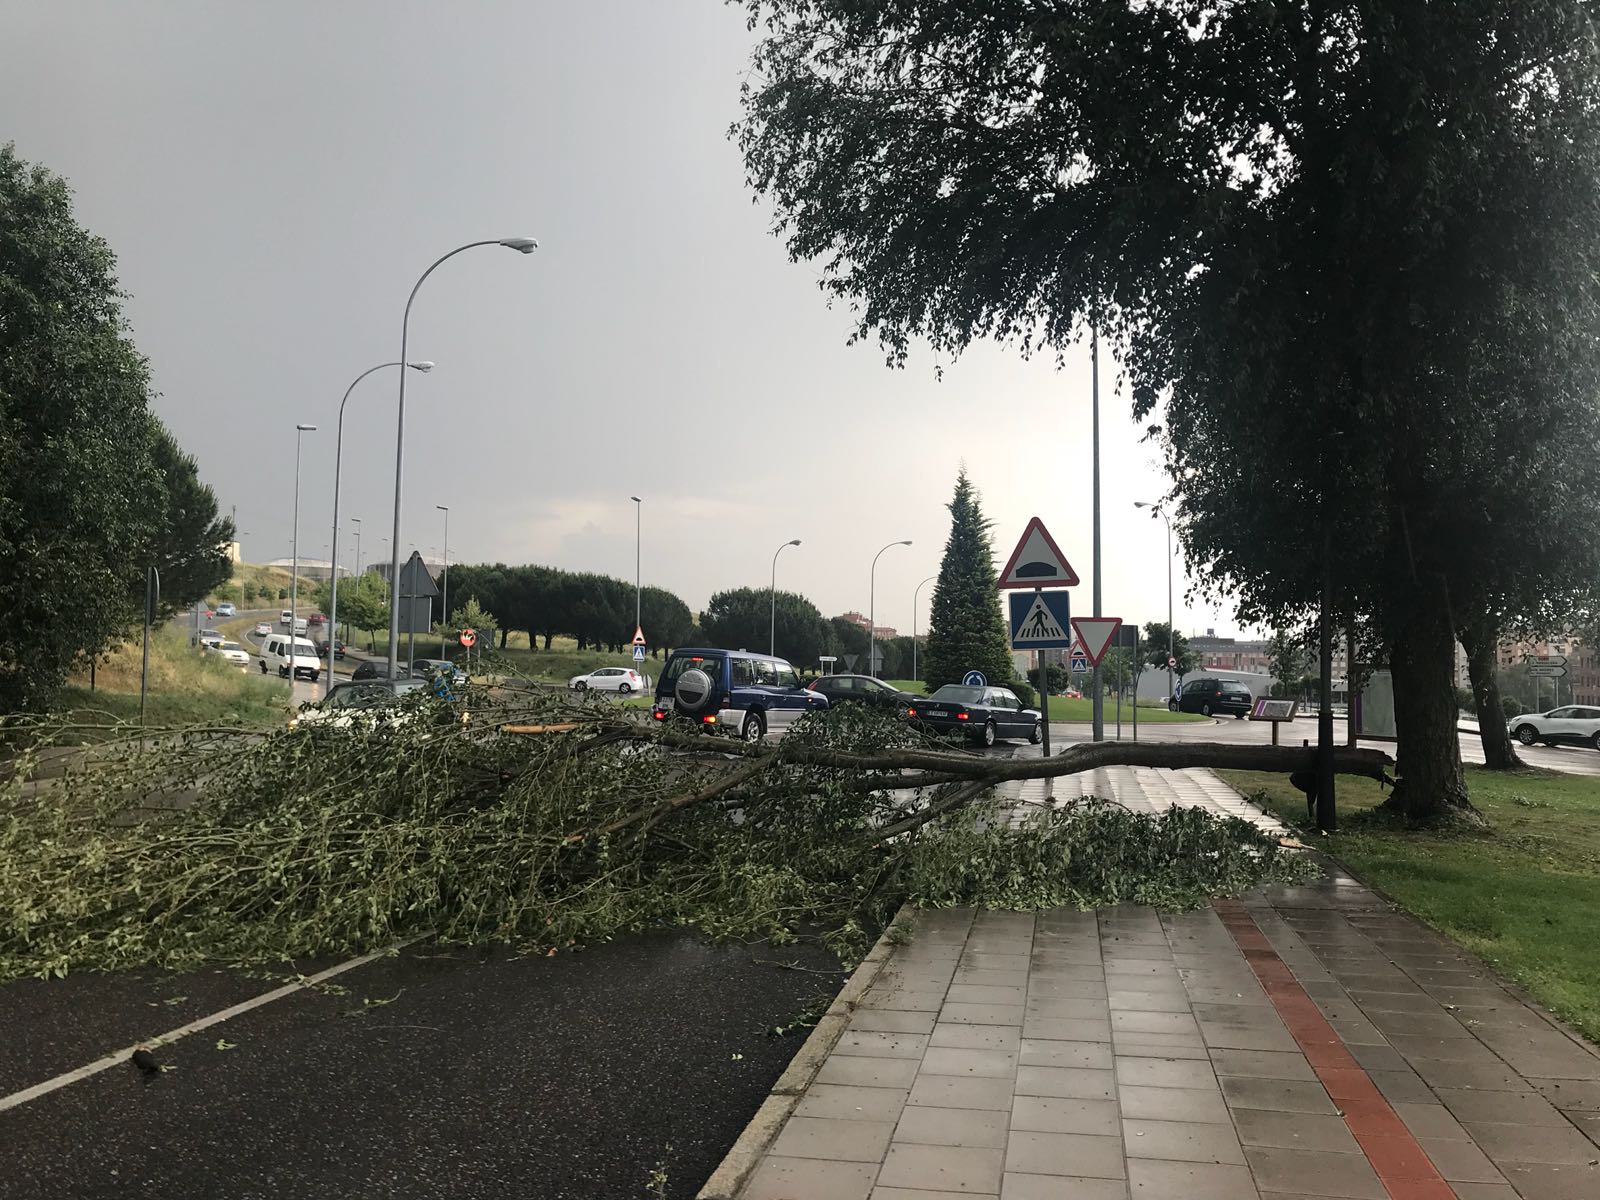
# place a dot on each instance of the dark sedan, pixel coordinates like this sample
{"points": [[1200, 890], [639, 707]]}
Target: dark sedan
{"points": [[338, 648], [864, 689], [984, 714]]}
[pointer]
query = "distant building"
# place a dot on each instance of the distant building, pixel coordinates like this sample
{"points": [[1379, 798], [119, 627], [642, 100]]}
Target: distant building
{"points": [[435, 567], [310, 568], [1584, 666], [1231, 654], [882, 631]]}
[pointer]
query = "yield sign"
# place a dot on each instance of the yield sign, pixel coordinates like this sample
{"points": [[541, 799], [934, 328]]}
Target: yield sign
{"points": [[1095, 634], [1037, 561]]}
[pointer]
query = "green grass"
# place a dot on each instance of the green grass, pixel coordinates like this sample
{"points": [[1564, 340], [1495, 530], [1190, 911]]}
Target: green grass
{"points": [[1525, 896], [564, 660]]}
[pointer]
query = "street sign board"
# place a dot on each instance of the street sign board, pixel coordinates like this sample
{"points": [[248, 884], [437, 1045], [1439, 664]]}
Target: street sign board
{"points": [[1546, 660], [1040, 621], [416, 579], [469, 637], [1274, 710], [1096, 633], [638, 654], [1172, 663], [1540, 671], [1127, 637], [975, 679], [1037, 561], [1080, 664], [638, 636]]}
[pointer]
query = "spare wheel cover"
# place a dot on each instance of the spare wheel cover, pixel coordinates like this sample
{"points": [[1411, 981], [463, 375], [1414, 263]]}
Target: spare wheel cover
{"points": [[693, 690]]}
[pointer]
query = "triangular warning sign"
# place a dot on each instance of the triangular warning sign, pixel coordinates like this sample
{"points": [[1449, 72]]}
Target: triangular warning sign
{"points": [[1039, 624], [1037, 561], [1095, 634], [638, 636]]}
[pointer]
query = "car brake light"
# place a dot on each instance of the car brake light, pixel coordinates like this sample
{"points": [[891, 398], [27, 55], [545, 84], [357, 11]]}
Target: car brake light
{"points": [[659, 715], [709, 719], [961, 716], [911, 712]]}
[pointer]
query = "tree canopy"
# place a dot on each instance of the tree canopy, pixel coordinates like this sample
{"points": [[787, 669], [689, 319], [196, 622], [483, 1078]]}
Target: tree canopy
{"points": [[966, 631], [741, 618]]}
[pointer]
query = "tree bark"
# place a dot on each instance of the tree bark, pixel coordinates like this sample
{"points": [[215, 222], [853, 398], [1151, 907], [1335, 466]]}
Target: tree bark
{"points": [[1480, 638], [1431, 786]]}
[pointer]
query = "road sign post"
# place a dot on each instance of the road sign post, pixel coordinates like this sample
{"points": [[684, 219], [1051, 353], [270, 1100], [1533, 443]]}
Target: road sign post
{"points": [[1041, 621]]}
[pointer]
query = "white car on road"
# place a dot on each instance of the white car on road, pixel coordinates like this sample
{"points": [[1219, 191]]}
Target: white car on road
{"points": [[263, 629], [231, 651], [622, 680], [1576, 724]]}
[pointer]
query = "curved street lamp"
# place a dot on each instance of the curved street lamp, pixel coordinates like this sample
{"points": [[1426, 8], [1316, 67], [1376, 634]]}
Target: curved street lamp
{"points": [[772, 648], [333, 552], [1156, 511], [872, 608], [914, 596], [523, 245]]}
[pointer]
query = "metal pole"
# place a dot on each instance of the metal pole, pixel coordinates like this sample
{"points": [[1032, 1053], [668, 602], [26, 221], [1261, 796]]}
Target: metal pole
{"points": [[294, 572], [1099, 709], [773, 630], [872, 609], [525, 246], [1138, 671], [914, 595], [1327, 819], [149, 615], [1172, 637], [1044, 699], [444, 603], [638, 553]]}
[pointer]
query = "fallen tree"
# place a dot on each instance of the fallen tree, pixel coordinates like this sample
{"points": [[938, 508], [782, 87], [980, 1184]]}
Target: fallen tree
{"points": [[244, 846]]}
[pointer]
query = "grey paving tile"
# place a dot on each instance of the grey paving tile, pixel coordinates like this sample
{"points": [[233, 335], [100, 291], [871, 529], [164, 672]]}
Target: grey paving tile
{"points": [[1051, 1114], [1582, 1095], [1294, 1131], [1378, 1058], [1156, 1045], [953, 1127], [1069, 1008], [1039, 1052], [944, 1091], [982, 1014], [1276, 1095], [1249, 1037], [876, 1044], [1060, 1187], [848, 1102], [1072, 1083], [962, 1169], [1515, 1108], [1358, 1033], [1066, 1029], [868, 1072], [1441, 1073], [1159, 1072], [1244, 994], [895, 998], [1157, 1179], [810, 1179], [894, 1193], [979, 960], [968, 993], [832, 1139], [1402, 1087], [1484, 1191], [1450, 1049], [1017, 978], [885, 1020], [1065, 988], [949, 1060], [1078, 1154], [1552, 1181], [1531, 1143], [1460, 1162], [1186, 1141], [1146, 1001], [1204, 1105], [977, 1037], [1315, 1173], [1431, 1121], [1262, 1064], [1129, 1021], [1248, 1016]]}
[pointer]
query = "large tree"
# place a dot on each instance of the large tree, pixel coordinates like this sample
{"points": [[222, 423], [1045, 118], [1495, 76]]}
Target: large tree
{"points": [[741, 619], [1301, 223], [966, 631], [92, 490]]}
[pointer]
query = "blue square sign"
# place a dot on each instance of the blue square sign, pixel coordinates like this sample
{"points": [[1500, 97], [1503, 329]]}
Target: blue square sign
{"points": [[1040, 621]]}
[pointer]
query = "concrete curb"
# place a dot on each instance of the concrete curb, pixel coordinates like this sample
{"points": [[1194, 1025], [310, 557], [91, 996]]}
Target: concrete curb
{"points": [[728, 1180]]}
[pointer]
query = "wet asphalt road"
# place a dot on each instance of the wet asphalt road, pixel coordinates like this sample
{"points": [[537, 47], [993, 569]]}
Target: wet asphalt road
{"points": [[439, 1073]]}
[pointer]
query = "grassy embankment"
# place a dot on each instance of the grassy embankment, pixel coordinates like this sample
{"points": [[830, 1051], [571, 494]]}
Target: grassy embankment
{"points": [[1524, 896]]}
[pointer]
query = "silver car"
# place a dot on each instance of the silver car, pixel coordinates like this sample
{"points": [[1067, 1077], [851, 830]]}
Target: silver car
{"points": [[622, 680], [1575, 725]]}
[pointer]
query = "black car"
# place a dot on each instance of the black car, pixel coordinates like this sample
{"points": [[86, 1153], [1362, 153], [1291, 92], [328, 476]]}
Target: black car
{"points": [[984, 714], [863, 689], [1207, 696], [338, 649], [377, 668]]}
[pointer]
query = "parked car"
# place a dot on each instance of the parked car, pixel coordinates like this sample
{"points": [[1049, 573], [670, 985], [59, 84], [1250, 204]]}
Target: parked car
{"points": [[263, 628], [317, 619], [1576, 724], [622, 680], [984, 714], [348, 703], [231, 651], [290, 656], [863, 689], [433, 666], [374, 668], [335, 643], [734, 689], [286, 617], [226, 609], [1208, 696], [207, 637]]}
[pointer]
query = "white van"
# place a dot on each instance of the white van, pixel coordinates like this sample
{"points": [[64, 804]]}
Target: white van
{"points": [[294, 656], [285, 617]]}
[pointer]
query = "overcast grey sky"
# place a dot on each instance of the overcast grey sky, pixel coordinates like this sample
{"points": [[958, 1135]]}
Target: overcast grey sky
{"points": [[274, 176]]}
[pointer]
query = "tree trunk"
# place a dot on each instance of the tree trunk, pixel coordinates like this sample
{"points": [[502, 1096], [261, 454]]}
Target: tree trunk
{"points": [[1480, 638], [1432, 787], [547, 638]]}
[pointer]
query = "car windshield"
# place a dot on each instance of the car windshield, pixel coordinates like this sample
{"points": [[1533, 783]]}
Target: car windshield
{"points": [[301, 646], [959, 694]]}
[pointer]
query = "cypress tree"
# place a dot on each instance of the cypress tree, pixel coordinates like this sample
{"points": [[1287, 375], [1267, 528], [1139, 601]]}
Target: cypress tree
{"points": [[966, 631]]}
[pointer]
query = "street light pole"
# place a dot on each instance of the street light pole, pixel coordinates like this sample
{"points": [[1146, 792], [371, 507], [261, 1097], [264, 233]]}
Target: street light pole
{"points": [[524, 246], [915, 593], [152, 578], [294, 572], [772, 647], [872, 609], [1098, 708], [333, 551], [445, 602], [1156, 511], [638, 552]]}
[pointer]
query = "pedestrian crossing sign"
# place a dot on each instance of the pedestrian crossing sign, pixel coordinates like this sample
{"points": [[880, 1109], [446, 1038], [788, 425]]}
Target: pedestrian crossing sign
{"points": [[1040, 621], [638, 654]]}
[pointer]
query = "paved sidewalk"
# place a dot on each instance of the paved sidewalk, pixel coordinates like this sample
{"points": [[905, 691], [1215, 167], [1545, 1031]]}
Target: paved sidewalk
{"points": [[1302, 1042]]}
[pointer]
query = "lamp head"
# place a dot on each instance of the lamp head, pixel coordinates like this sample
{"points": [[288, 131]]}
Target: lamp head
{"points": [[796, 542], [442, 507], [636, 499], [306, 428], [907, 542], [525, 245], [423, 365]]}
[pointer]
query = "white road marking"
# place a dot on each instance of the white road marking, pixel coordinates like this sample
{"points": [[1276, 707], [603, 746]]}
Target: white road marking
{"points": [[120, 1057]]}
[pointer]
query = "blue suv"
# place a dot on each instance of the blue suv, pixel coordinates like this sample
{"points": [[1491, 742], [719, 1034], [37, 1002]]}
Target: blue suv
{"points": [[734, 689]]}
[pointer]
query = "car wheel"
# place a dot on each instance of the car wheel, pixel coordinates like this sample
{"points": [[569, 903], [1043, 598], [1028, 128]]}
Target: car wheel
{"points": [[1205, 709], [1595, 741], [625, 689], [1527, 735], [580, 686], [988, 733], [1036, 735], [1172, 706], [754, 728], [283, 672]]}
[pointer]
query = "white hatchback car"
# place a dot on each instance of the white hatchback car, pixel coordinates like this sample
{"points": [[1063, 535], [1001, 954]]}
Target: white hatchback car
{"points": [[231, 651], [622, 680], [1576, 724]]}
